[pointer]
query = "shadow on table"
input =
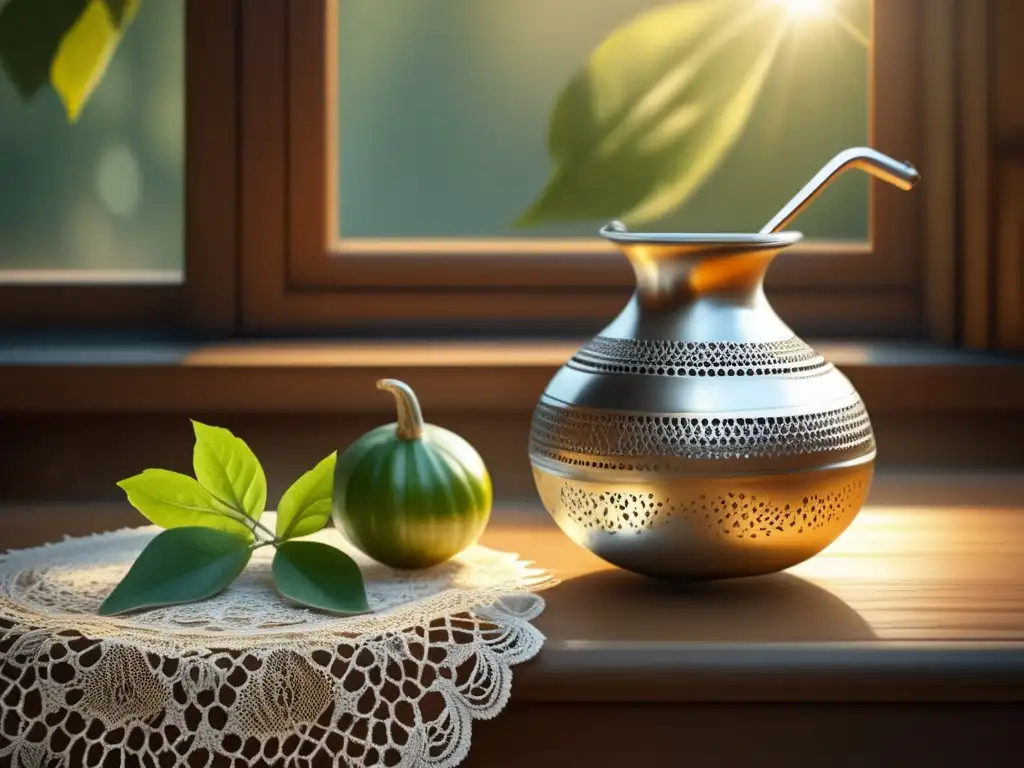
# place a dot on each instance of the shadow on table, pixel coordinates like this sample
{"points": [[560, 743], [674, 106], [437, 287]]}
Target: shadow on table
{"points": [[614, 605]]}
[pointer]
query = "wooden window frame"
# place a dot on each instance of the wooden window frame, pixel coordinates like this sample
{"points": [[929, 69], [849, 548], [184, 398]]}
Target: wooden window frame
{"points": [[205, 299], [295, 278], [258, 237]]}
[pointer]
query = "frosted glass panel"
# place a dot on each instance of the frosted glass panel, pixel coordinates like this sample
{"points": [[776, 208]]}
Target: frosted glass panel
{"points": [[443, 117], [105, 193]]}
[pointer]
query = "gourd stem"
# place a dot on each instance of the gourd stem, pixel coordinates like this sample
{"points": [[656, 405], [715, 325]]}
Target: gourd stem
{"points": [[410, 418]]}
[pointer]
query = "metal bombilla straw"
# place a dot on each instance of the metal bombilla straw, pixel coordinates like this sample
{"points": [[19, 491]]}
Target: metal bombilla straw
{"points": [[900, 174]]}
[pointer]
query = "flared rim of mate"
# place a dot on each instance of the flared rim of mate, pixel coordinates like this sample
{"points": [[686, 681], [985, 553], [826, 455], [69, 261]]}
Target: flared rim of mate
{"points": [[617, 233]]}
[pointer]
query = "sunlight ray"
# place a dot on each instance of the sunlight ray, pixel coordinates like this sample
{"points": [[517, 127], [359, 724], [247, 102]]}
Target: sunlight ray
{"points": [[852, 30]]}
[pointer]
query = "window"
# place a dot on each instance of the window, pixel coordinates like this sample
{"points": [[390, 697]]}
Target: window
{"points": [[102, 197], [443, 114], [93, 221], [314, 184], [412, 137]]}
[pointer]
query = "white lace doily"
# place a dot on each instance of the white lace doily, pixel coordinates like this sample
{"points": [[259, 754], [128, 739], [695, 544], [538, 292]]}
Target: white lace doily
{"points": [[243, 678]]}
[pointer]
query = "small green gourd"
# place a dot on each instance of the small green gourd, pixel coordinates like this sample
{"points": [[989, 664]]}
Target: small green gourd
{"points": [[409, 494]]}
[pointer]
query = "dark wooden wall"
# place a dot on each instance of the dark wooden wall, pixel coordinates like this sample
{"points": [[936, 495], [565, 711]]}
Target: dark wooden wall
{"points": [[81, 457]]}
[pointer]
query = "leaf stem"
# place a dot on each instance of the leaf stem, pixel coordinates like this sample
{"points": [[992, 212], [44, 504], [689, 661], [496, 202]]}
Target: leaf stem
{"points": [[262, 527], [243, 518]]}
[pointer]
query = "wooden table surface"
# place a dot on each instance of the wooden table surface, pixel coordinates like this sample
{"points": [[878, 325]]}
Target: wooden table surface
{"points": [[902, 644], [911, 602]]}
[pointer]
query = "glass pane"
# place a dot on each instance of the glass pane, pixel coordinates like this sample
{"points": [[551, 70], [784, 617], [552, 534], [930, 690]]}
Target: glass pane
{"points": [[444, 106], [105, 193]]}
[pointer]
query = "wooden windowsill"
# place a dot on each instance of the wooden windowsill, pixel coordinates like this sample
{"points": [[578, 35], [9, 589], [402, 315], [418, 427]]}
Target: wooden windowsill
{"points": [[911, 604], [55, 374]]}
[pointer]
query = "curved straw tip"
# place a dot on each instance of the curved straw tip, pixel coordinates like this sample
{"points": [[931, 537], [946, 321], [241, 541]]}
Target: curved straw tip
{"points": [[912, 175], [388, 383]]}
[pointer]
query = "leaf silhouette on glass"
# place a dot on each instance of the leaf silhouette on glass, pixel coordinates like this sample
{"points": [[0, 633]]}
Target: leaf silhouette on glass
{"points": [[656, 109]]}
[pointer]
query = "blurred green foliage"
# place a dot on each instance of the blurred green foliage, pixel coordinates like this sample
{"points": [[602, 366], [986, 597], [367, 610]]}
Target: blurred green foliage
{"points": [[67, 43], [105, 193], [656, 108], [446, 112]]}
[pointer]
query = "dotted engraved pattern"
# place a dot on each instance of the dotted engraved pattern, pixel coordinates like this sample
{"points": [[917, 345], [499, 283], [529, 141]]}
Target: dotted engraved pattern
{"points": [[733, 515], [600, 436], [790, 358]]}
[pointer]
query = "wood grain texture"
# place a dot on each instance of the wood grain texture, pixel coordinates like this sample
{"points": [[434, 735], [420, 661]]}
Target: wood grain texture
{"points": [[900, 645], [77, 457], [746, 735], [939, 187], [922, 574], [975, 29], [1008, 64], [211, 173], [912, 603], [1009, 293]]}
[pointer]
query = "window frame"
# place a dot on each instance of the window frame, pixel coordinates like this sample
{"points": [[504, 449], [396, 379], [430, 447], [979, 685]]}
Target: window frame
{"points": [[205, 301], [294, 279], [257, 241]]}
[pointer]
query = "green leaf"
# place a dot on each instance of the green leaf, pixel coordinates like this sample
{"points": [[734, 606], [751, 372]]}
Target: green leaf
{"points": [[84, 53], [655, 110], [121, 10], [306, 506], [30, 34], [179, 566], [319, 576], [173, 500], [228, 468]]}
